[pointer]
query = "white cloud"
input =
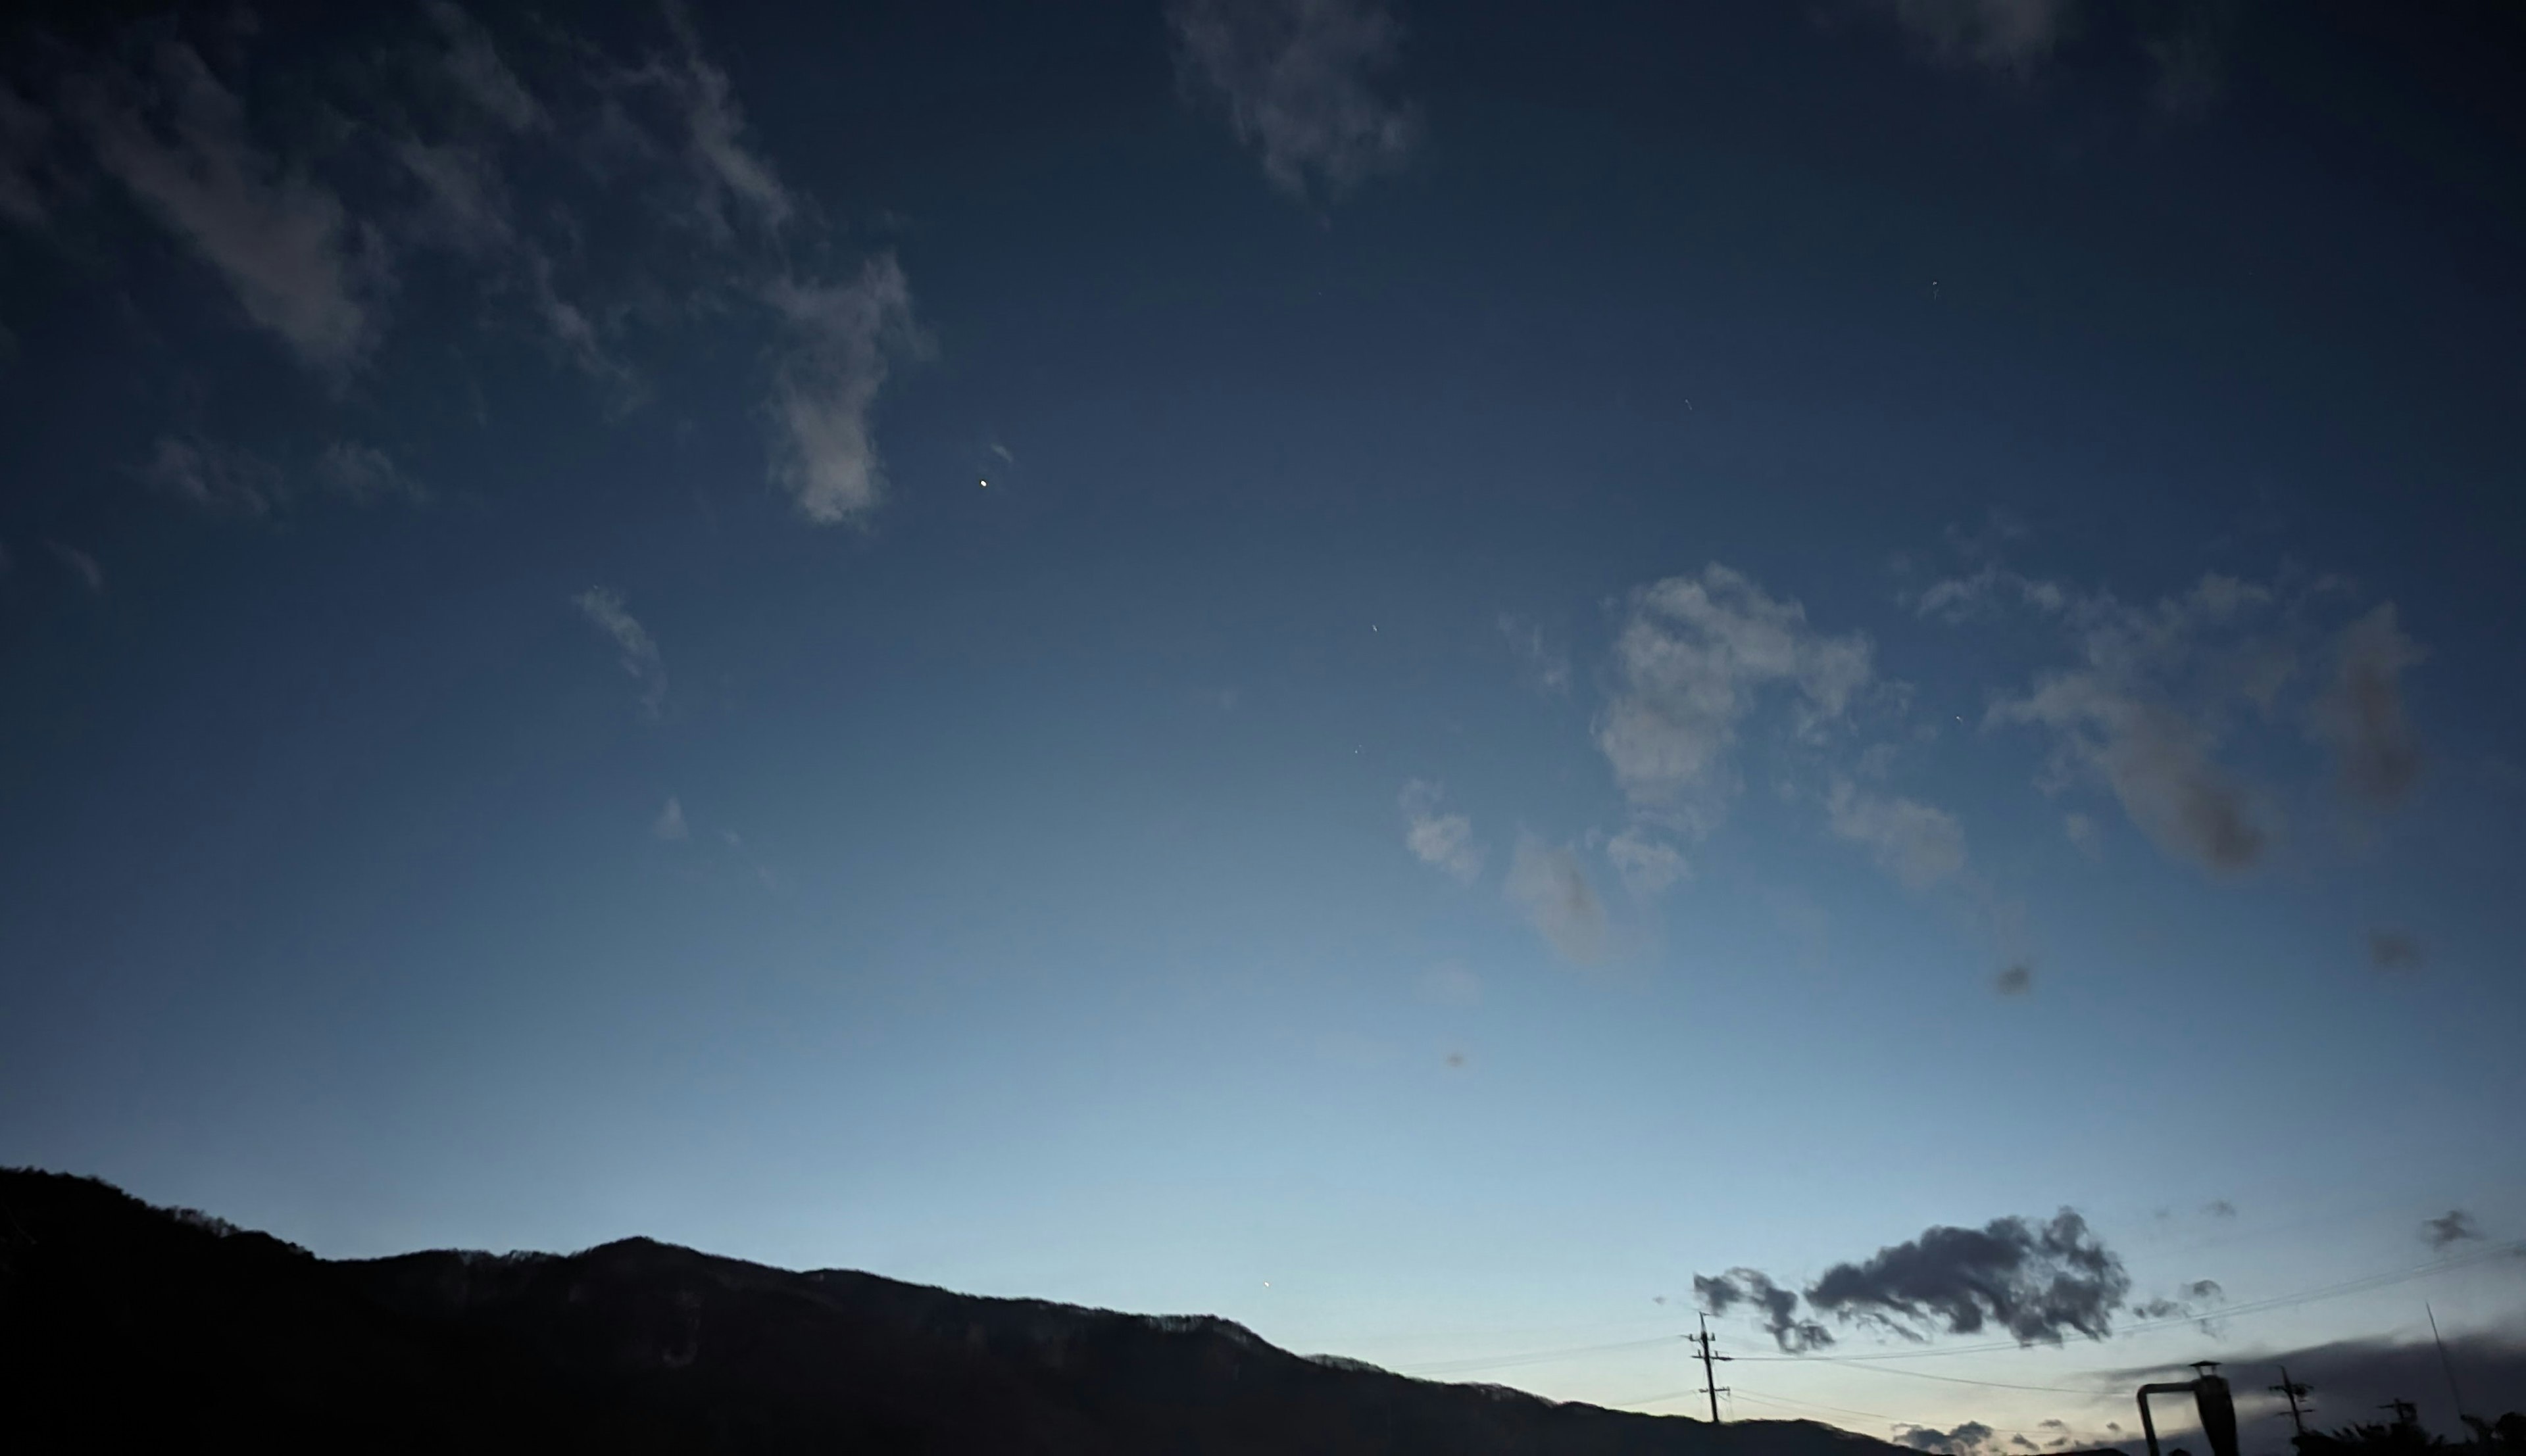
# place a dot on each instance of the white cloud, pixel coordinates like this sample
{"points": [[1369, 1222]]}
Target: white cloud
{"points": [[1295, 77], [1692, 656], [636, 652], [282, 240], [1647, 866], [1916, 843], [1445, 842], [2003, 35], [215, 477], [2361, 717], [726, 168], [843, 340], [367, 474], [1961, 598], [2083, 833], [1547, 883], [670, 823]]}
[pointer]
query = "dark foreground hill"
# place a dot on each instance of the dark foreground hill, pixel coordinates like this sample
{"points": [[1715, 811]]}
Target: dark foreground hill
{"points": [[129, 1327]]}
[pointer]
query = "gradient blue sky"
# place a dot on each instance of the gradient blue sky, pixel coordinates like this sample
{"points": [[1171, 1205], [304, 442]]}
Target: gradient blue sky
{"points": [[1602, 645]]}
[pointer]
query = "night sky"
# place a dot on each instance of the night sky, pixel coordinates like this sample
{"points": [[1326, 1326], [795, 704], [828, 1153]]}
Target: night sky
{"points": [[1420, 675]]}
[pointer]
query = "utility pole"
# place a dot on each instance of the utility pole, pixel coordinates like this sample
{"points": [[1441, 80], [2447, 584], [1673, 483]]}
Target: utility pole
{"points": [[1711, 1388], [2445, 1362], [2292, 1389]]}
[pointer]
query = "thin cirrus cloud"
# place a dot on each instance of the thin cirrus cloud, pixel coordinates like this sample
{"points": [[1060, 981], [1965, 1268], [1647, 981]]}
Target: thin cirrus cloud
{"points": [[1442, 840], [634, 648], [283, 242], [1297, 81], [2010, 35], [311, 253], [1549, 884]]}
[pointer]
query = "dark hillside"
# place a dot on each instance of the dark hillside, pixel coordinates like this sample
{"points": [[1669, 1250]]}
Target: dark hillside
{"points": [[137, 1328]]}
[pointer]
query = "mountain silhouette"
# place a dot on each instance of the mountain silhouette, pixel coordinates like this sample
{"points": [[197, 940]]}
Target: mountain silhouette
{"points": [[128, 1327]]}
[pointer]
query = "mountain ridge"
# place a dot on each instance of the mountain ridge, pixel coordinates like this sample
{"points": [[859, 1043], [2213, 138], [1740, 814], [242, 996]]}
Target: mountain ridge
{"points": [[145, 1326]]}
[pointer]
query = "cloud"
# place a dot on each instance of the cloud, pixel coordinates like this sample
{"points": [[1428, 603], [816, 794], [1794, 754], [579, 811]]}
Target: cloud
{"points": [[25, 133], [1959, 599], [283, 241], [2123, 717], [1451, 985], [1445, 842], [1917, 844], [2393, 950], [1547, 882], [843, 340], [1966, 1439], [215, 477], [1295, 77], [637, 653], [1546, 667], [727, 169], [2010, 35], [2454, 1226], [473, 64], [367, 474], [2220, 1208], [1647, 866], [2378, 758], [1777, 1306], [2039, 1281], [2082, 831], [1691, 658], [2016, 981], [80, 564], [669, 824]]}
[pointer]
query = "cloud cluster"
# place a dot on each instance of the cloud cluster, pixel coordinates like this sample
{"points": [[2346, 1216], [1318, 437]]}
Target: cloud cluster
{"points": [[1969, 1438], [2009, 36], [431, 141], [1692, 658], [2039, 1282], [2454, 1226], [1916, 843], [1297, 78], [2156, 692]]}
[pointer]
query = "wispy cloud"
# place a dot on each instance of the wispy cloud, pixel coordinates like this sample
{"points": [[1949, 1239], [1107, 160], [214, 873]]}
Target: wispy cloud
{"points": [[24, 134], [1916, 843], [1547, 668], [2390, 949], [1445, 842], [1647, 865], [1548, 883], [670, 823], [1297, 81], [634, 650], [473, 64], [80, 564], [283, 241], [2361, 717], [2011, 35], [215, 477], [842, 341], [367, 474]]}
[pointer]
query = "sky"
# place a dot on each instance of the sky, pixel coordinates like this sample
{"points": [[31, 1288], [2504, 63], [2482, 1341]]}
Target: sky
{"points": [[1452, 681]]}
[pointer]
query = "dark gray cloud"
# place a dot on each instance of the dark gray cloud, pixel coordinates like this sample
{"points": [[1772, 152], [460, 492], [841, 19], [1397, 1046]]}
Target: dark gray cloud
{"points": [[2016, 981], [2039, 1281], [1964, 1441], [2220, 1208], [2377, 756], [1778, 1306], [2454, 1226], [2390, 949]]}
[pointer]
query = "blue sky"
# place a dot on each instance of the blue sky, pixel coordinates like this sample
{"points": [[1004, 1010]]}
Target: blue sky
{"points": [[1405, 674]]}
